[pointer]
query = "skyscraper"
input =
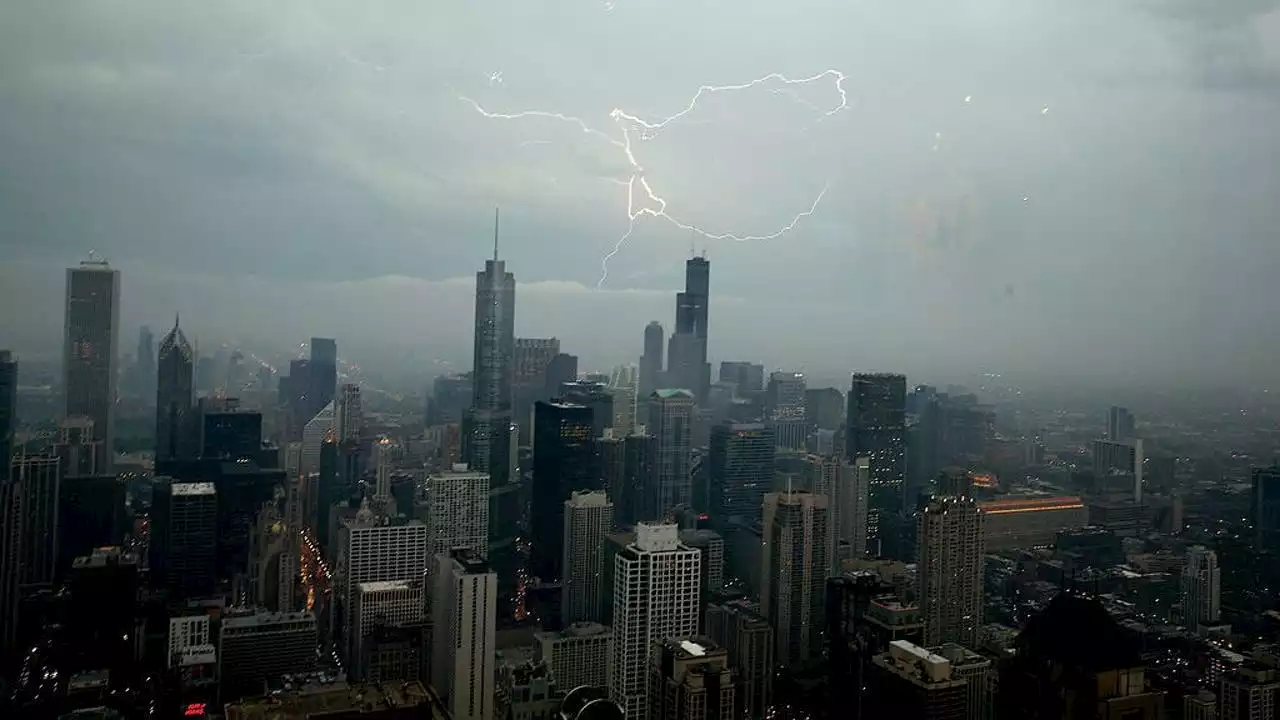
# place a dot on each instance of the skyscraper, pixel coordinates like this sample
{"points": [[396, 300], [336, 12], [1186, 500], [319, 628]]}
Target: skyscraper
{"points": [[464, 609], [846, 485], [457, 511], [785, 402], [796, 557], [563, 461], [350, 413], [588, 518], [184, 537], [687, 352], [323, 374], [740, 471], [691, 678], [175, 394], [876, 429], [8, 410], [655, 596], [144, 368], [37, 478], [671, 422], [90, 347], [529, 379], [1201, 589], [487, 426], [949, 570], [651, 360], [1119, 424], [375, 549]]}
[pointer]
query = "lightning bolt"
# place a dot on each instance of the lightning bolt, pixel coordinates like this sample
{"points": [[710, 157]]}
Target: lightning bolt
{"points": [[637, 183]]}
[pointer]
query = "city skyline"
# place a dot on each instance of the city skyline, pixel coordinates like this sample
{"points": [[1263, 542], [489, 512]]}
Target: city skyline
{"points": [[1047, 209]]}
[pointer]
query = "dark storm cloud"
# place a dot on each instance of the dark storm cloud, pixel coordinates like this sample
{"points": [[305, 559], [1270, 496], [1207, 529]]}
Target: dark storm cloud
{"points": [[1113, 162]]}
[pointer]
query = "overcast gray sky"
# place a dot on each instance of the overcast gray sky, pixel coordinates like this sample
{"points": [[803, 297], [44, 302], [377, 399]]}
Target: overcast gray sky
{"points": [[1050, 187]]}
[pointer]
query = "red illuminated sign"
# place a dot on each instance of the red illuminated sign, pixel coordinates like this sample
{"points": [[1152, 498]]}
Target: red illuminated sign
{"points": [[194, 710]]}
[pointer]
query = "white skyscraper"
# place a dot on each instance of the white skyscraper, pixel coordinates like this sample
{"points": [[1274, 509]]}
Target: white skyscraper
{"points": [[464, 609], [588, 517], [656, 591], [457, 511], [314, 434], [373, 549], [1201, 588]]}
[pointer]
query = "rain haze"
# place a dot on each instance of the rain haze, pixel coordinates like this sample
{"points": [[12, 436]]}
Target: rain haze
{"points": [[1051, 189]]}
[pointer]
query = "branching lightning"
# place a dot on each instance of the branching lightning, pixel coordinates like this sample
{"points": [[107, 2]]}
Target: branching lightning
{"points": [[651, 203]]}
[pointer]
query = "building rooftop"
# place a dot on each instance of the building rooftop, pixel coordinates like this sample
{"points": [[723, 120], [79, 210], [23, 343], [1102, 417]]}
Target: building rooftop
{"points": [[385, 586], [331, 697], [194, 488], [265, 618]]}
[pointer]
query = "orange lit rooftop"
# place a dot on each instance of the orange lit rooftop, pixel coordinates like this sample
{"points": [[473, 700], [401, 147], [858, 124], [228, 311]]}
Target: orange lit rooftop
{"points": [[1031, 504]]}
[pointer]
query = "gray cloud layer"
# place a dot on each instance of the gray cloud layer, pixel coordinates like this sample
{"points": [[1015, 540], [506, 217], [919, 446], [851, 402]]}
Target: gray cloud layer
{"points": [[313, 159]]}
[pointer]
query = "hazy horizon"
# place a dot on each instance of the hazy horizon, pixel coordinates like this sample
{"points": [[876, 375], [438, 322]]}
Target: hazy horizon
{"points": [[1059, 191]]}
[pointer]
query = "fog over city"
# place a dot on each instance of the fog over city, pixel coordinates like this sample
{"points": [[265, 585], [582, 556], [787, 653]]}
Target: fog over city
{"points": [[1053, 189]]}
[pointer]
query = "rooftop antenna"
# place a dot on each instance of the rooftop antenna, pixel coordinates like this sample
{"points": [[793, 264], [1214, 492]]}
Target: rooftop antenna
{"points": [[175, 319], [495, 234], [692, 239]]}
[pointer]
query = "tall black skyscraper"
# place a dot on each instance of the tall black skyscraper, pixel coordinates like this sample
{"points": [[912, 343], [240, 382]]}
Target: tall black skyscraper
{"points": [[687, 354], [876, 429], [563, 461], [8, 410], [323, 375], [184, 536], [90, 346], [175, 393], [651, 360]]}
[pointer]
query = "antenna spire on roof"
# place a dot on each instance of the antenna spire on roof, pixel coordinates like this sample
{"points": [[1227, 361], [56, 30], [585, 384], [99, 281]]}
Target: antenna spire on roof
{"points": [[495, 234]]}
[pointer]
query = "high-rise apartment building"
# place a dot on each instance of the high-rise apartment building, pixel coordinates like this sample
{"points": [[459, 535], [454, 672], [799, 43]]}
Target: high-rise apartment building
{"points": [[795, 562], [8, 410], [1249, 692], [588, 518], [738, 627], [529, 379], [563, 461], [464, 609], [1201, 589], [911, 681], [581, 654], [876, 428], [949, 557], [847, 487], [457, 512], [90, 349], [175, 398], [740, 471], [655, 596], [628, 472], [691, 678], [671, 422]]}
